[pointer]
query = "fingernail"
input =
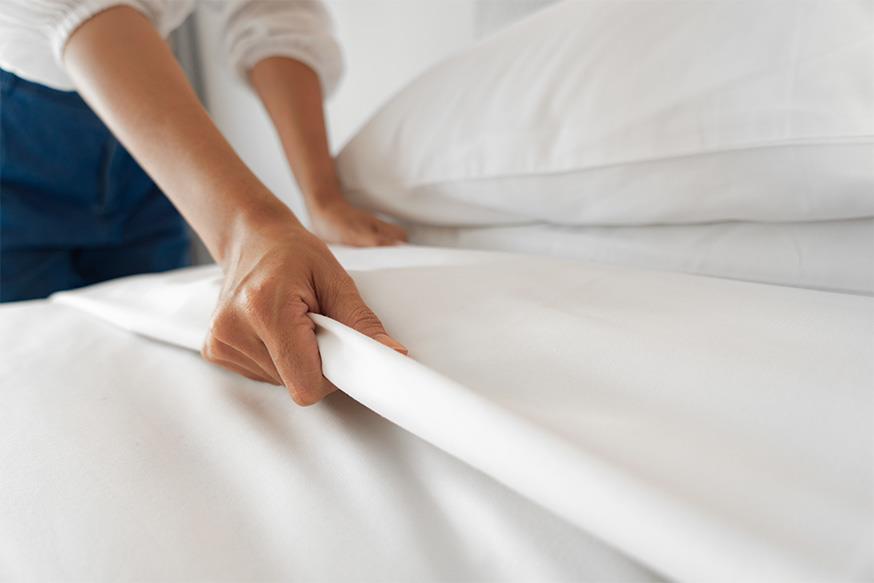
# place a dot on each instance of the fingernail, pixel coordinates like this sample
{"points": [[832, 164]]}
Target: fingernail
{"points": [[391, 343]]}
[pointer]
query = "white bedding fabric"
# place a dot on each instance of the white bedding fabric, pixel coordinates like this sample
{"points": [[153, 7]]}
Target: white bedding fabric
{"points": [[630, 112], [125, 459], [712, 430], [825, 255]]}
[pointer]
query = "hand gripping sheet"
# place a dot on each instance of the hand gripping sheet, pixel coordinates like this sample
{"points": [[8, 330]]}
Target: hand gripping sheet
{"points": [[713, 430]]}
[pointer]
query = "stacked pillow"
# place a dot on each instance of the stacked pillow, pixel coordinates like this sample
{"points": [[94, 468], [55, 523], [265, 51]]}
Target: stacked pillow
{"points": [[628, 112], [824, 255]]}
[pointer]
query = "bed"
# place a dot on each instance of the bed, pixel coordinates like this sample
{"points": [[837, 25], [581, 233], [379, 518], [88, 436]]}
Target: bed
{"points": [[605, 418], [731, 139], [122, 458], [557, 421], [827, 255]]}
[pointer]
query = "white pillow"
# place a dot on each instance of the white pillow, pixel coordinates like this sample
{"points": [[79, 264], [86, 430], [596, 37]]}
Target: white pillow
{"points": [[826, 255], [623, 112]]}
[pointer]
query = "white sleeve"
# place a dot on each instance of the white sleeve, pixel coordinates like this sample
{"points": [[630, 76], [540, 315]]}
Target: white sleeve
{"points": [[33, 33], [299, 29]]}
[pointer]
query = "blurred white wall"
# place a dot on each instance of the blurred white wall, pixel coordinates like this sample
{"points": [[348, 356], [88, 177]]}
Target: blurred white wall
{"points": [[386, 43]]}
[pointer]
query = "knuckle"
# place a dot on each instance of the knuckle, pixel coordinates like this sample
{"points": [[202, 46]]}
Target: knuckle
{"points": [[208, 351], [224, 323], [254, 299], [295, 311], [304, 398]]}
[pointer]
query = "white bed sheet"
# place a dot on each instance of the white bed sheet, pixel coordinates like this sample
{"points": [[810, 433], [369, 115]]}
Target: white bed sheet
{"points": [[712, 430], [826, 255], [126, 459]]}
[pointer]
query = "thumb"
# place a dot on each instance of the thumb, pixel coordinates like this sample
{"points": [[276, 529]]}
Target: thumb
{"points": [[348, 308]]}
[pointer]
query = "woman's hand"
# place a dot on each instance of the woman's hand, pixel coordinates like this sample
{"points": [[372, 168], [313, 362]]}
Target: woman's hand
{"points": [[342, 223], [275, 271], [292, 94], [275, 274]]}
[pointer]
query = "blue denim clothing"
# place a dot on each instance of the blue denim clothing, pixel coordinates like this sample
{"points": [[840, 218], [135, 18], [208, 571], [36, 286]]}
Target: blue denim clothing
{"points": [[75, 207]]}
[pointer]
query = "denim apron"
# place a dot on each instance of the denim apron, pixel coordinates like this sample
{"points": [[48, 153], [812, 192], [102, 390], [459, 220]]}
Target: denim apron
{"points": [[75, 208]]}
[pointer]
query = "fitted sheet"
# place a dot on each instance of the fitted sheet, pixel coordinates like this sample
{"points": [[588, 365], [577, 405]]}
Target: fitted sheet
{"points": [[708, 429], [126, 459]]}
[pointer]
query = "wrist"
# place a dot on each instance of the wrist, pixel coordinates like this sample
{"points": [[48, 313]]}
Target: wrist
{"points": [[255, 223], [325, 201]]}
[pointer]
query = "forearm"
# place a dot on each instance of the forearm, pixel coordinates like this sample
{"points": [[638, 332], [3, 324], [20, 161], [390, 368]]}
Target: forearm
{"points": [[292, 94], [276, 273], [126, 72]]}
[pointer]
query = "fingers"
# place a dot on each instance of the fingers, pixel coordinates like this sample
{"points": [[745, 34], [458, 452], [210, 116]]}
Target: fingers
{"points": [[350, 226], [288, 354], [346, 306], [232, 339], [228, 357], [385, 234], [243, 371], [262, 329], [296, 354], [394, 233], [392, 343], [372, 232]]}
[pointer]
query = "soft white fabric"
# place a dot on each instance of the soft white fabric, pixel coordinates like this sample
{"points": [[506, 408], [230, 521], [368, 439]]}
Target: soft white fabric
{"points": [[124, 459], [827, 255], [628, 112], [33, 33], [714, 430]]}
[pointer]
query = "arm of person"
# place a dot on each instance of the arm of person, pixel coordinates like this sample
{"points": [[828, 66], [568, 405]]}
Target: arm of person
{"points": [[292, 94], [275, 271]]}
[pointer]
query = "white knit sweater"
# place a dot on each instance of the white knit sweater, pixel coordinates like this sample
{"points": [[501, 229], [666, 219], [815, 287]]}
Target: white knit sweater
{"points": [[33, 33]]}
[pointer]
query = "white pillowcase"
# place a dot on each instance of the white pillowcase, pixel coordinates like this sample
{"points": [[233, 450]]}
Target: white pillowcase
{"points": [[628, 112], [826, 255]]}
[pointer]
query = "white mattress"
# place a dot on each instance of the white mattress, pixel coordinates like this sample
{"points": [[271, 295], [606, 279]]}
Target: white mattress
{"points": [[708, 429]]}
